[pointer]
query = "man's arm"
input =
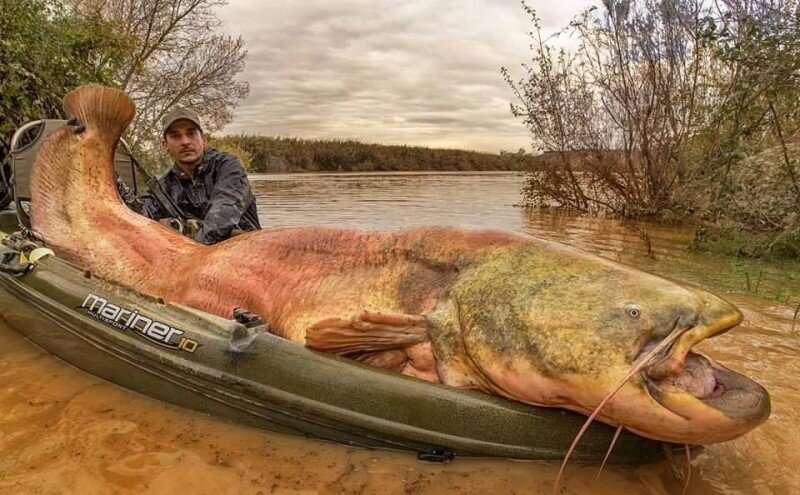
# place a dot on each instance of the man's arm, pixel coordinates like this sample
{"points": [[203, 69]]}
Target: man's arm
{"points": [[150, 207], [229, 198], [144, 205]]}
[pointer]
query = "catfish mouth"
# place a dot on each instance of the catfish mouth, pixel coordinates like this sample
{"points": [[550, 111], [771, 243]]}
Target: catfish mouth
{"points": [[697, 388], [713, 386]]}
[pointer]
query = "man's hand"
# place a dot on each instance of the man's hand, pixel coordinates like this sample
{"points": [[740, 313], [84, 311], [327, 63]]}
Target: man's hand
{"points": [[189, 228], [192, 226], [173, 224]]}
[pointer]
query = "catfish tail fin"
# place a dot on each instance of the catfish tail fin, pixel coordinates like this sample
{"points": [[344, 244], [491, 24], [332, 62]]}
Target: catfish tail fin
{"points": [[98, 107]]}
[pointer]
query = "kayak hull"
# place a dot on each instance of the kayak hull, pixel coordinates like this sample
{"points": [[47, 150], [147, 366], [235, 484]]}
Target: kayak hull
{"points": [[207, 363]]}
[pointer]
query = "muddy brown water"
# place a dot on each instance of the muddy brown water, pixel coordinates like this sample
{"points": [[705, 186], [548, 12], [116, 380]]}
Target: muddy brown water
{"points": [[63, 431]]}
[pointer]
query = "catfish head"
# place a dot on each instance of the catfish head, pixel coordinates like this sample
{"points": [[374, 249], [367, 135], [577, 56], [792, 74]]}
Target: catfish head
{"points": [[551, 326]]}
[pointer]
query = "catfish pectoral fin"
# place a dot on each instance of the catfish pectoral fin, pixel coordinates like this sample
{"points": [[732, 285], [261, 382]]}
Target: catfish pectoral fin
{"points": [[417, 361], [393, 359], [367, 332]]}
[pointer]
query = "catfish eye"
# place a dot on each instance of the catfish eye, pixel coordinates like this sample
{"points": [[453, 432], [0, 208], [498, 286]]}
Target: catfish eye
{"points": [[634, 312]]}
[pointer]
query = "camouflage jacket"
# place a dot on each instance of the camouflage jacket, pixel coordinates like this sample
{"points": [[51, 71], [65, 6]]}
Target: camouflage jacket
{"points": [[219, 195]]}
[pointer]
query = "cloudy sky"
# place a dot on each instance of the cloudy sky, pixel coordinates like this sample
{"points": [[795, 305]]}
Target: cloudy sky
{"points": [[419, 72]]}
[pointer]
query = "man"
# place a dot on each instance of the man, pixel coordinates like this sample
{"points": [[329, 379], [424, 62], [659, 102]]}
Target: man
{"points": [[204, 183]]}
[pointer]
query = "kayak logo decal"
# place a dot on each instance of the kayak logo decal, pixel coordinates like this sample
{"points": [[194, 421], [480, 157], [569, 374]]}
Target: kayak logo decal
{"points": [[130, 319]]}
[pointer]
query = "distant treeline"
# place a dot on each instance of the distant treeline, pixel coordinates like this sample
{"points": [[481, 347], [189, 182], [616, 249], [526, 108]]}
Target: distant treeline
{"points": [[267, 154]]}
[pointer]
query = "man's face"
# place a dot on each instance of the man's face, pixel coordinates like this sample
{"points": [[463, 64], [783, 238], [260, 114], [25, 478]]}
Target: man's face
{"points": [[184, 142]]}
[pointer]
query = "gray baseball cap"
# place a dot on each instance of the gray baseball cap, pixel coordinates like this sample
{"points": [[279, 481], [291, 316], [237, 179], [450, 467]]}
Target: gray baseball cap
{"points": [[180, 113]]}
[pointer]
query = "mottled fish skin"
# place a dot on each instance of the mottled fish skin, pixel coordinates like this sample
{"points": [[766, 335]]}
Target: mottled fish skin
{"points": [[504, 313]]}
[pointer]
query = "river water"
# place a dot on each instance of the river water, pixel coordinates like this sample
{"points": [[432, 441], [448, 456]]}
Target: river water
{"points": [[63, 431]]}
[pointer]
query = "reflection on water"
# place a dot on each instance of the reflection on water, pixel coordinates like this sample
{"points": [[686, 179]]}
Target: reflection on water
{"points": [[389, 200], [62, 431]]}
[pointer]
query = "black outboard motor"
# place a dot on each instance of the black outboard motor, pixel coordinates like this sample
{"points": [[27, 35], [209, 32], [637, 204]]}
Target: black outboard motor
{"points": [[24, 146]]}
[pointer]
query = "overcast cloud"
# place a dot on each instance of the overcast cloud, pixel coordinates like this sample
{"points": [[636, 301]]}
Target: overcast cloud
{"points": [[419, 72]]}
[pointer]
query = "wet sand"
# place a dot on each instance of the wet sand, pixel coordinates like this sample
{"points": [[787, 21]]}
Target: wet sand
{"points": [[63, 431]]}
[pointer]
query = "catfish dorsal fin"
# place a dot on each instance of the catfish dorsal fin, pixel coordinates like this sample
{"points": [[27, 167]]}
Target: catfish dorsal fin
{"points": [[367, 332], [99, 107]]}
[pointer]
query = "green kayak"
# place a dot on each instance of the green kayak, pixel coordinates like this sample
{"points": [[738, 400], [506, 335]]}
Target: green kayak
{"points": [[236, 369]]}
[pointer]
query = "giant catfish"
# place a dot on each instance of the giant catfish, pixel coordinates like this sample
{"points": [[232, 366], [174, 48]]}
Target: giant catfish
{"points": [[508, 314]]}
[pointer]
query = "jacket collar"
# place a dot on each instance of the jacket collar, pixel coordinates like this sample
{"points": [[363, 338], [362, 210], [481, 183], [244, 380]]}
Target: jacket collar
{"points": [[202, 169]]}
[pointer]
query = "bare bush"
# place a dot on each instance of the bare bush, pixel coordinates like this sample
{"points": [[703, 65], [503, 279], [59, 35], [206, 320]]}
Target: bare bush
{"points": [[618, 108]]}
